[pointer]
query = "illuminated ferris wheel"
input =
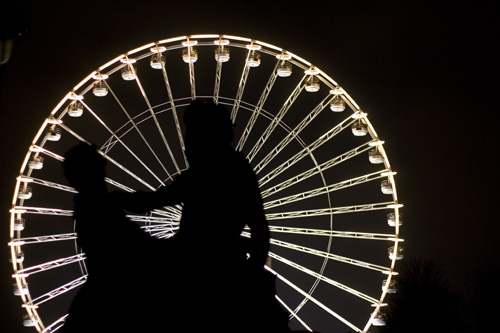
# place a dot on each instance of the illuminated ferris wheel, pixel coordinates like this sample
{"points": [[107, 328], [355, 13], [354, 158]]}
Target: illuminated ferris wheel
{"points": [[328, 188]]}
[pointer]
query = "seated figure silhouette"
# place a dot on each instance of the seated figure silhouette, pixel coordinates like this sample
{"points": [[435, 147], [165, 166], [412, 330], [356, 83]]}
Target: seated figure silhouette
{"points": [[220, 275], [118, 293]]}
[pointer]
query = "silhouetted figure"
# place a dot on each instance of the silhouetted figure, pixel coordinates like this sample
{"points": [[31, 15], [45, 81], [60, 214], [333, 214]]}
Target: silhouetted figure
{"points": [[220, 274], [118, 294]]}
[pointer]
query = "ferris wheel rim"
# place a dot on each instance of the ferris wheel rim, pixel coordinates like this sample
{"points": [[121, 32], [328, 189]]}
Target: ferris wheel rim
{"points": [[188, 41]]}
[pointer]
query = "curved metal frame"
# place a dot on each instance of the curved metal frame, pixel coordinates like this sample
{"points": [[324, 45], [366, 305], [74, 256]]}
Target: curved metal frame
{"points": [[163, 223]]}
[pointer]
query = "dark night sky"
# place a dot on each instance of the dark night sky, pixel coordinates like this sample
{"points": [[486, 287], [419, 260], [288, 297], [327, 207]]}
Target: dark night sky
{"points": [[422, 71]]}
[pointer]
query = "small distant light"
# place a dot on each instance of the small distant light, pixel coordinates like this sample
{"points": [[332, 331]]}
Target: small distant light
{"points": [[24, 179], [16, 243], [190, 43], [54, 121], [17, 211], [74, 97], [337, 91], [221, 42], [376, 143], [358, 115], [395, 206], [159, 49], [127, 60], [284, 56], [254, 47], [312, 71], [20, 275], [99, 76]]}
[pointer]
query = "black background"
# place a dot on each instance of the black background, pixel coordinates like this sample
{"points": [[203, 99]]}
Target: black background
{"points": [[422, 70]]}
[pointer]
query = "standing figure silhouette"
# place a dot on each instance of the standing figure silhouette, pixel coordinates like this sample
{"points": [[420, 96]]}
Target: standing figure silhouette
{"points": [[118, 255], [220, 274]]}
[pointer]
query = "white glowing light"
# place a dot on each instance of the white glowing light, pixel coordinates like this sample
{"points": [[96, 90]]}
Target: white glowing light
{"points": [[20, 275], [159, 49], [284, 56], [126, 60], [337, 91], [312, 71], [376, 143], [221, 42], [190, 43], [16, 243], [74, 97], [359, 115], [253, 47], [99, 76], [395, 206], [24, 179], [54, 121]]}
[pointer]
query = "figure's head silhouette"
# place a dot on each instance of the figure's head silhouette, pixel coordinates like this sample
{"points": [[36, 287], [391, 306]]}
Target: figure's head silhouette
{"points": [[208, 128], [84, 167]]}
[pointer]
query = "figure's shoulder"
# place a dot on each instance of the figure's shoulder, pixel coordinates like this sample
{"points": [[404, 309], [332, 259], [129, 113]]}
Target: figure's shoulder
{"points": [[239, 158]]}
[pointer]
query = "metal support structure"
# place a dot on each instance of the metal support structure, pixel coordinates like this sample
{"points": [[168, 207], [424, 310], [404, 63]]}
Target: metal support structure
{"points": [[133, 148], [272, 126]]}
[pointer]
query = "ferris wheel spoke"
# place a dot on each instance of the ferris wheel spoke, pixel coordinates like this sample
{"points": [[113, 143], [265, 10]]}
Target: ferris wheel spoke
{"points": [[56, 325], [291, 158], [241, 88], [330, 211], [25, 272], [121, 167], [134, 124], [218, 76], [131, 152], [276, 120], [153, 219], [258, 108], [293, 314], [43, 239], [47, 183], [39, 149], [327, 189], [163, 234], [336, 233], [160, 228], [293, 134], [325, 279], [306, 151], [174, 112], [170, 212], [41, 211], [157, 123], [323, 254], [56, 292], [110, 181], [118, 185], [192, 81], [314, 300], [322, 167]]}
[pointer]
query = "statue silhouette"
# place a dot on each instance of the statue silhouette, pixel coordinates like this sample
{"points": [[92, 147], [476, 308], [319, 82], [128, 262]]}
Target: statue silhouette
{"points": [[222, 273], [207, 276], [118, 254]]}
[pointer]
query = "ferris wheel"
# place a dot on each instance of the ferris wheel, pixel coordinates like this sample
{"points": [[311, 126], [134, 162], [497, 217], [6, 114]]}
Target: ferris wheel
{"points": [[328, 188]]}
